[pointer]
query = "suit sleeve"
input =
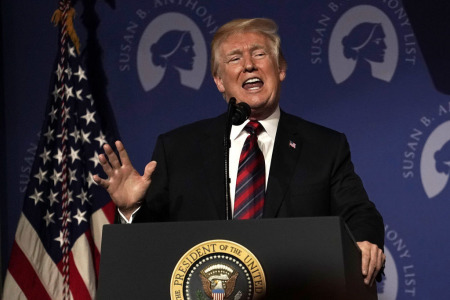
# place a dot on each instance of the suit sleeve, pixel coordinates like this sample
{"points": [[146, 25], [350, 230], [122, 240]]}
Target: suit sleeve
{"points": [[350, 200], [154, 207]]}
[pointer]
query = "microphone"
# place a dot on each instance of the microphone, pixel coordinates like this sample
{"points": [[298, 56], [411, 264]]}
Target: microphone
{"points": [[241, 112]]}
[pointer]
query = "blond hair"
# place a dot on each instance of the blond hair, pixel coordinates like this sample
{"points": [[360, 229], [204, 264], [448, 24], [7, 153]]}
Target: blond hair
{"points": [[267, 27]]}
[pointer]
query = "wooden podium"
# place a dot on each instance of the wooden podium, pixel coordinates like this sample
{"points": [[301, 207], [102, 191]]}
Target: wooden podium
{"points": [[302, 258]]}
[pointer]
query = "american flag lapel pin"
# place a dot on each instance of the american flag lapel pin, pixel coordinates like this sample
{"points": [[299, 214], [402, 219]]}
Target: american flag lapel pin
{"points": [[292, 144]]}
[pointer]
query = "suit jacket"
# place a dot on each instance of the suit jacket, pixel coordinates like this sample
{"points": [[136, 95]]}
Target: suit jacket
{"points": [[313, 178]]}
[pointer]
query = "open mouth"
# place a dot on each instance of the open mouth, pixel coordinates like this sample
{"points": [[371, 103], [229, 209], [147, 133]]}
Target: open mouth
{"points": [[253, 84]]}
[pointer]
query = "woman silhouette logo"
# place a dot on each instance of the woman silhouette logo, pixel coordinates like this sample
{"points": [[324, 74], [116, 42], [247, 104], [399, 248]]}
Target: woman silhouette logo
{"points": [[363, 45], [173, 51], [170, 55], [442, 157], [435, 162]]}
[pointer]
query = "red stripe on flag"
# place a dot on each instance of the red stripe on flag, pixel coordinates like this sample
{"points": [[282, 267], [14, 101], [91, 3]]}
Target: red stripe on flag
{"points": [[25, 275], [76, 283], [110, 211], [95, 253]]}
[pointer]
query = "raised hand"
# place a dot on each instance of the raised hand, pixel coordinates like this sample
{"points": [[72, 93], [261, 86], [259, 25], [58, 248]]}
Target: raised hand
{"points": [[124, 184]]}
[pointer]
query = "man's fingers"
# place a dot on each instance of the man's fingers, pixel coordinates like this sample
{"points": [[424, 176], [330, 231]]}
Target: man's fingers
{"points": [[100, 181], [366, 270], [104, 163], [381, 257], [372, 261], [365, 256], [122, 153], [373, 253], [149, 169], [112, 157]]}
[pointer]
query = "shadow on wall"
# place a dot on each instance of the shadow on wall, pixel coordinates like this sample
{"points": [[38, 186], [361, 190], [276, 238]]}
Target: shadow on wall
{"points": [[92, 56], [429, 20]]}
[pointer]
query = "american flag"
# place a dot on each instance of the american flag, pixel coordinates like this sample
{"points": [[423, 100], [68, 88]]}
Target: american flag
{"points": [[292, 144], [56, 250]]}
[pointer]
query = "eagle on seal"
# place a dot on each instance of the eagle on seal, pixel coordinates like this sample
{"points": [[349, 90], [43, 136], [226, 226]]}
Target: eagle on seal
{"points": [[218, 284]]}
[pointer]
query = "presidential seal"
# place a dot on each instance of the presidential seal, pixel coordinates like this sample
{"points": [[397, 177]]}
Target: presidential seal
{"points": [[218, 269]]}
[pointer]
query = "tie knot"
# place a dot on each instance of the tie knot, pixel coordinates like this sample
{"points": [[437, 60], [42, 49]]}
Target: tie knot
{"points": [[254, 127]]}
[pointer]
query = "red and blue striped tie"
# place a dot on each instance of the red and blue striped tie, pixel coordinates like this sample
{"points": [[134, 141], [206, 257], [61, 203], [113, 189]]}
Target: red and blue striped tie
{"points": [[251, 178]]}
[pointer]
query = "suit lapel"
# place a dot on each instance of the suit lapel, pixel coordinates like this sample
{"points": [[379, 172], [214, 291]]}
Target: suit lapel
{"points": [[212, 163], [286, 152]]}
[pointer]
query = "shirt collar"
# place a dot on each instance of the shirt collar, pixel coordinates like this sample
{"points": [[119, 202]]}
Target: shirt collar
{"points": [[270, 125]]}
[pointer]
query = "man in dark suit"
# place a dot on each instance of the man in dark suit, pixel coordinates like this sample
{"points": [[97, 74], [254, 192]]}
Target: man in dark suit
{"points": [[308, 170]]}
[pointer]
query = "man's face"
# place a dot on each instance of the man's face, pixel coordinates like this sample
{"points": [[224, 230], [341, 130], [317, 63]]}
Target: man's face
{"points": [[249, 72]]}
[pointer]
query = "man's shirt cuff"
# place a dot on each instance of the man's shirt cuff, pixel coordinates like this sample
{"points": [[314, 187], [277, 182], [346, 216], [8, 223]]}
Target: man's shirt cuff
{"points": [[124, 220]]}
